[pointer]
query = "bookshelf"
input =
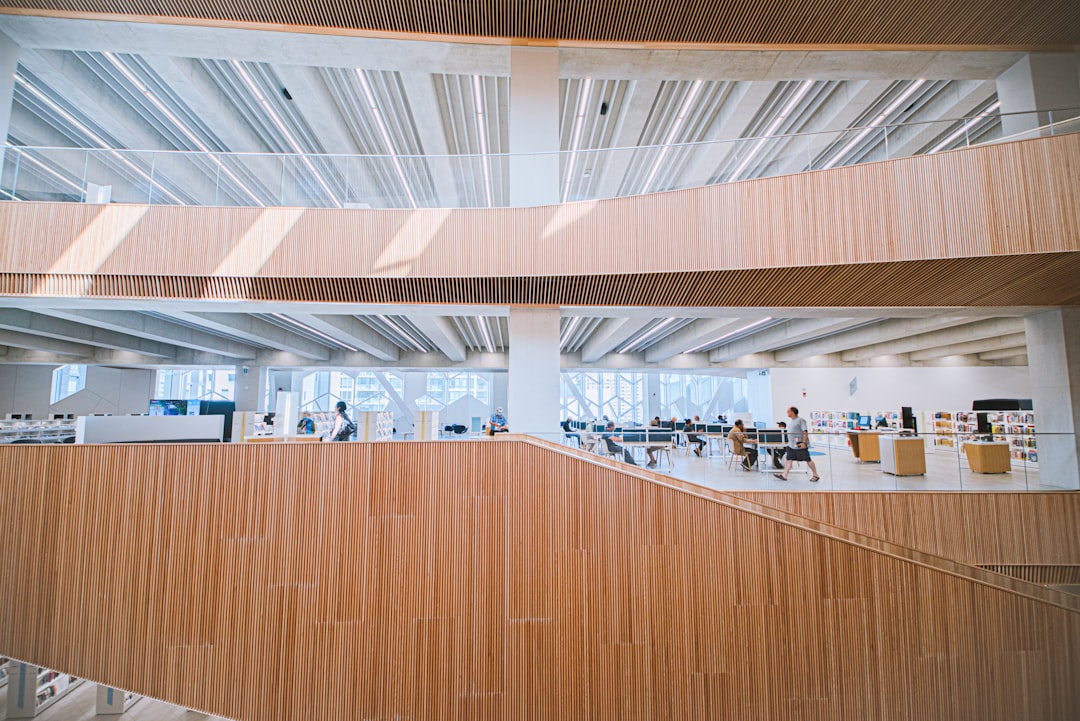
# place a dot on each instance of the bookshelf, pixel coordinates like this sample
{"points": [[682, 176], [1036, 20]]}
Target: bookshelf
{"points": [[31, 689], [113, 701], [1017, 428]]}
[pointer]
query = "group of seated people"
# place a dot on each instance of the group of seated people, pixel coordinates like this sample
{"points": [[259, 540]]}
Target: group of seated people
{"points": [[741, 444]]}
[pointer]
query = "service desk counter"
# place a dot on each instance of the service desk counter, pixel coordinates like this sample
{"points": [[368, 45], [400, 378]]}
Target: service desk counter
{"points": [[865, 446], [283, 439], [902, 455], [988, 456]]}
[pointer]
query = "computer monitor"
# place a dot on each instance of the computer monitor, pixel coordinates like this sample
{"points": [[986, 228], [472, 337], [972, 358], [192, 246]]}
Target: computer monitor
{"points": [[760, 424], [982, 422], [864, 422], [772, 436], [908, 419], [171, 407]]}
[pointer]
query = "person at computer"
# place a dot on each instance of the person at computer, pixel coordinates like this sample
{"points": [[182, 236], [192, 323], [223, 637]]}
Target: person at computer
{"points": [[612, 441], [741, 445], [497, 423], [568, 430], [655, 422], [692, 437], [798, 448]]}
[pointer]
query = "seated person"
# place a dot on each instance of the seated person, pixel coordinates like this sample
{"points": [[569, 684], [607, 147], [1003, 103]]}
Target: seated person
{"points": [[692, 437], [655, 422], [306, 426], [611, 441], [778, 453], [569, 432], [497, 423], [739, 443]]}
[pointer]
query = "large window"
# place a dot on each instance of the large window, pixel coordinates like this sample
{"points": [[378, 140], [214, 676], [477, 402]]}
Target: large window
{"points": [[67, 380], [206, 384], [361, 390], [635, 397]]}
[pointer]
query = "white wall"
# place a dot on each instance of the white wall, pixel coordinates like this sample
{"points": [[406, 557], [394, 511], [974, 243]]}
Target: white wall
{"points": [[924, 389], [28, 389]]}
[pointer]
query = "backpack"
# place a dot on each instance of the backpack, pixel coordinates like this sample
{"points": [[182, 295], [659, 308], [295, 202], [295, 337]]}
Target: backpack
{"points": [[348, 430]]}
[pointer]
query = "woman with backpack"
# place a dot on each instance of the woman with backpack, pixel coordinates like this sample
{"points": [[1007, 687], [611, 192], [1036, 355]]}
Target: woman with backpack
{"points": [[344, 428]]}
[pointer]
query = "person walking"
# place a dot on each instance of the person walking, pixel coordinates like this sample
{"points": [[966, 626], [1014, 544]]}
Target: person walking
{"points": [[344, 428], [798, 446]]}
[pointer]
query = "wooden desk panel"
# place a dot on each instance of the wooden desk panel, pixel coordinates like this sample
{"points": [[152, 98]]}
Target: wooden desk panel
{"points": [[988, 457], [903, 456], [865, 446]]}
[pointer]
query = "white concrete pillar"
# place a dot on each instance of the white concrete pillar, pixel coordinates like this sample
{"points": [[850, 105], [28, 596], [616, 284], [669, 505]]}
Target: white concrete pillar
{"points": [[249, 384], [1053, 342], [1039, 82], [534, 126], [533, 375]]}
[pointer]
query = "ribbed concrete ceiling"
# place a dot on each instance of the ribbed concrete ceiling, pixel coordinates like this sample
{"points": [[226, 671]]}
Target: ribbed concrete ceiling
{"points": [[831, 22], [149, 102]]}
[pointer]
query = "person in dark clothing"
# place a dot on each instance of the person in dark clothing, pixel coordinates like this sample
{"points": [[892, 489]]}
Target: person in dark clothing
{"points": [[611, 441], [692, 437], [778, 453]]}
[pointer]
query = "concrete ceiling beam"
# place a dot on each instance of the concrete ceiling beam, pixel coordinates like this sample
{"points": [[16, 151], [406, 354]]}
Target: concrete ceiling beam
{"points": [[442, 334], [793, 331], [638, 103], [1003, 353], [950, 336], [609, 335], [886, 330], [1011, 340], [155, 329], [695, 334], [353, 332], [60, 329], [257, 331]]}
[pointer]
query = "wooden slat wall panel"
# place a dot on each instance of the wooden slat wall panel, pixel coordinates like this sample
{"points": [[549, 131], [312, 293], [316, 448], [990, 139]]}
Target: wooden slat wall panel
{"points": [[984, 529], [1013, 280], [831, 22], [1040, 573], [981, 202], [488, 580]]}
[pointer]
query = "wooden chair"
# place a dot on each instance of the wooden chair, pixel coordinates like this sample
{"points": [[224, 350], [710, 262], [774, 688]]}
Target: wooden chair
{"points": [[732, 455]]}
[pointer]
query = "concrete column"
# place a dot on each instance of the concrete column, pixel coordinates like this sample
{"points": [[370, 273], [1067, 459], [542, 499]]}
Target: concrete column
{"points": [[652, 398], [534, 126], [249, 385], [1053, 342], [1039, 82], [9, 63], [533, 375]]}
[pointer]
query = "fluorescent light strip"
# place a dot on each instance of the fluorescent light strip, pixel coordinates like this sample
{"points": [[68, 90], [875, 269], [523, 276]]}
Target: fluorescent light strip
{"points": [[309, 329], [284, 130], [179, 124], [92, 135], [575, 136], [800, 92], [633, 345], [408, 337], [680, 118], [964, 128], [481, 133], [724, 337], [482, 322], [893, 107], [569, 330], [374, 107]]}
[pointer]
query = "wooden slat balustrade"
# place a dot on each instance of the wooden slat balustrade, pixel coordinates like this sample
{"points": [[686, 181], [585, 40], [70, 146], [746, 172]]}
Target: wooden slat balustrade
{"points": [[491, 579]]}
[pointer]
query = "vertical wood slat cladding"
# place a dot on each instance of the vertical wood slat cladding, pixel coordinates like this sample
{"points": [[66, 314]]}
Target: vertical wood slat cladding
{"points": [[1008, 23], [981, 529], [1004, 199], [1025, 280], [487, 580]]}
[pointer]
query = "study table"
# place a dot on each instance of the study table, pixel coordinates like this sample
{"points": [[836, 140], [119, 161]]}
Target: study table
{"points": [[865, 446], [902, 455]]}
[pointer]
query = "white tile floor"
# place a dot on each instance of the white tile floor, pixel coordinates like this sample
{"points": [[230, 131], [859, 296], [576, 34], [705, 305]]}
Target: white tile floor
{"points": [[79, 706], [840, 471]]}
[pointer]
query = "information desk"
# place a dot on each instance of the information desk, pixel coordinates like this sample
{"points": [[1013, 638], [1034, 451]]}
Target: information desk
{"points": [[283, 439], [988, 456], [902, 455], [865, 446]]}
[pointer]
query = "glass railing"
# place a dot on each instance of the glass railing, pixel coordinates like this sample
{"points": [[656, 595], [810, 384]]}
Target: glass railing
{"points": [[923, 462], [464, 181]]}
